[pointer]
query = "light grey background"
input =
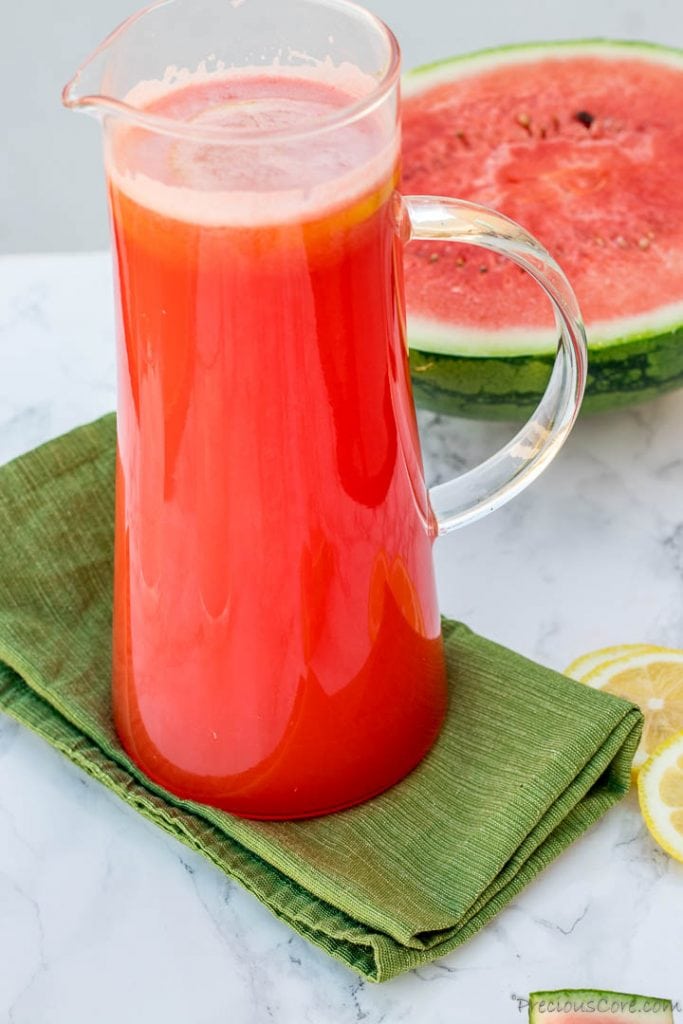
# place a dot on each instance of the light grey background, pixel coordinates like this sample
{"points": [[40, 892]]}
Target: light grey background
{"points": [[51, 183]]}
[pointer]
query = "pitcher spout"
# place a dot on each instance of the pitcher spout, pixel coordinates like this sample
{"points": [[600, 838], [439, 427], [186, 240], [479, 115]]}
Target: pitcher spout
{"points": [[99, 85]]}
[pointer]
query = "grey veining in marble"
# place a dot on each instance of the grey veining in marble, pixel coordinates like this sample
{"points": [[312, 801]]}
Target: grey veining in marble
{"points": [[104, 918]]}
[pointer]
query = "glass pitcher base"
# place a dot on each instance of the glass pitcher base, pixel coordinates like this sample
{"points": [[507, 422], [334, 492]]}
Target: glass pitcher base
{"points": [[297, 809]]}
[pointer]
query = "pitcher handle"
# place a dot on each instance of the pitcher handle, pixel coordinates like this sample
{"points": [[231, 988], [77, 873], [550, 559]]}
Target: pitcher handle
{"points": [[488, 486]]}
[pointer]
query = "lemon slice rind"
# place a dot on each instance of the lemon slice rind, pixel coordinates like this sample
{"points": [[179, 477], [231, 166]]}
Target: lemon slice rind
{"points": [[602, 674], [654, 810], [585, 663]]}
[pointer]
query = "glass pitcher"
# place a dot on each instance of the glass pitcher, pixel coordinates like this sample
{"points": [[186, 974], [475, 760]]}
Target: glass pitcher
{"points": [[277, 648]]}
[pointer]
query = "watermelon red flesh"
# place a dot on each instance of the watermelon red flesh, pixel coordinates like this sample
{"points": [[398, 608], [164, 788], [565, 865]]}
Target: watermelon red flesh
{"points": [[578, 1018], [584, 151]]}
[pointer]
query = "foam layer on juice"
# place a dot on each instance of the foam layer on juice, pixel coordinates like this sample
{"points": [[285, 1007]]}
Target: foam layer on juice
{"points": [[208, 173]]}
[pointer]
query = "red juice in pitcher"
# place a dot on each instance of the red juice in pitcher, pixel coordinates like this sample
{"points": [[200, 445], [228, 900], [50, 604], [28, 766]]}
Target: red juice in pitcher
{"points": [[277, 644]]}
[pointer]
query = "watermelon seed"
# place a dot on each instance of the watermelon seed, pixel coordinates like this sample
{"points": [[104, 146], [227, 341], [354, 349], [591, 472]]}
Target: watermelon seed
{"points": [[584, 118], [644, 242], [543, 131], [556, 123], [433, 257], [598, 240], [483, 269], [621, 242], [525, 122], [460, 262], [460, 134]]}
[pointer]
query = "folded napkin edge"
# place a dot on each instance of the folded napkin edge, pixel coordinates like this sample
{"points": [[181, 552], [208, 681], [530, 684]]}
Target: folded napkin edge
{"points": [[346, 904], [375, 956]]}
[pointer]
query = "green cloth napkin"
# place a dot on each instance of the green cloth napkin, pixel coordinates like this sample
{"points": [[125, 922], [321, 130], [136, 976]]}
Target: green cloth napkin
{"points": [[527, 761]]}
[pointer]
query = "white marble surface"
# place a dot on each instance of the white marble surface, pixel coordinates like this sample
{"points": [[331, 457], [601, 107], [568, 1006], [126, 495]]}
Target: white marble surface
{"points": [[102, 917]]}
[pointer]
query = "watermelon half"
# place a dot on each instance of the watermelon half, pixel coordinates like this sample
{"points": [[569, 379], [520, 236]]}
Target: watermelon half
{"points": [[582, 143], [574, 1006]]}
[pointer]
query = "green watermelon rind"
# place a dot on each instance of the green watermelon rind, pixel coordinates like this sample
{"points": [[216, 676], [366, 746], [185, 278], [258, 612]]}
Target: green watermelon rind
{"points": [[543, 1006], [505, 387], [506, 382]]}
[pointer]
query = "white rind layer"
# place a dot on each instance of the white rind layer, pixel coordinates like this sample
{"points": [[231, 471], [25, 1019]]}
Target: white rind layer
{"points": [[420, 80], [447, 339]]}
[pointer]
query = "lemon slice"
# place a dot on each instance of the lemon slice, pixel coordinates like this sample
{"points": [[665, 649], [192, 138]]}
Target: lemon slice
{"points": [[660, 791], [587, 662], [651, 677]]}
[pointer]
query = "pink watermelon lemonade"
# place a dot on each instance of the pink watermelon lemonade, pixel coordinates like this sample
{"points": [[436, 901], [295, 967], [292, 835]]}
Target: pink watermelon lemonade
{"points": [[276, 636]]}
